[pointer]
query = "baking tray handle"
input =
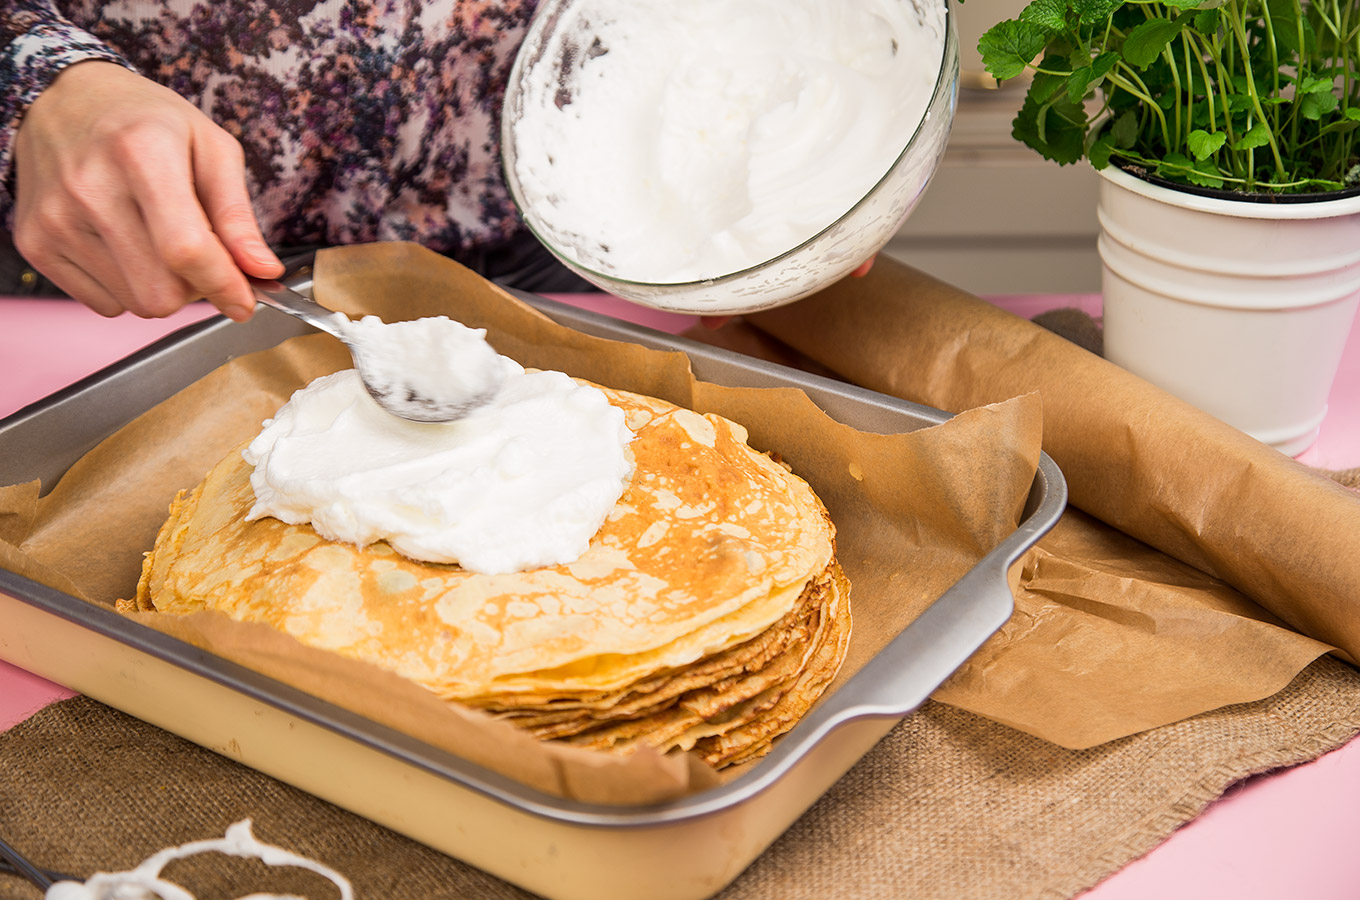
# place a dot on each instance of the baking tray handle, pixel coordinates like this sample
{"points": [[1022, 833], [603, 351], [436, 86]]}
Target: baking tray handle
{"points": [[903, 674]]}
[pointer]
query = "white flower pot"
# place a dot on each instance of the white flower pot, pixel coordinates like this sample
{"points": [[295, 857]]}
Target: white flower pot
{"points": [[1240, 308]]}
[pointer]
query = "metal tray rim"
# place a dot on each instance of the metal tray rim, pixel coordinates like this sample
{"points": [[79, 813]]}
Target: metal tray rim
{"points": [[1049, 484]]}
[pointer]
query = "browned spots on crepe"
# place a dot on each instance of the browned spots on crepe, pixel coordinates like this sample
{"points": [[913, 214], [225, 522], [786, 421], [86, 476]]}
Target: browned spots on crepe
{"points": [[708, 611]]}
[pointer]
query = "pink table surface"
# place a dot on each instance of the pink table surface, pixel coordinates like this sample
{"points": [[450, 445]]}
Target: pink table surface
{"points": [[1287, 834]]}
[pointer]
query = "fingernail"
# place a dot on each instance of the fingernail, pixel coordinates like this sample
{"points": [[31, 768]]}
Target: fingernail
{"points": [[237, 313], [261, 254]]}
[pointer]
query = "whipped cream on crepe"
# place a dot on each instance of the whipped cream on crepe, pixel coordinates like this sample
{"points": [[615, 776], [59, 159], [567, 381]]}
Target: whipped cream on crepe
{"points": [[522, 482], [676, 142], [145, 881]]}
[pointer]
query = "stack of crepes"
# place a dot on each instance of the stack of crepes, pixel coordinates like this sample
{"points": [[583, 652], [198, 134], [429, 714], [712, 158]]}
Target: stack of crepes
{"points": [[709, 612]]}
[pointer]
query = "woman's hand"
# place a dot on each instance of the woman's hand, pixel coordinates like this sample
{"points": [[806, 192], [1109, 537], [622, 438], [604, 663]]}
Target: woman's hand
{"points": [[863, 268], [129, 198]]}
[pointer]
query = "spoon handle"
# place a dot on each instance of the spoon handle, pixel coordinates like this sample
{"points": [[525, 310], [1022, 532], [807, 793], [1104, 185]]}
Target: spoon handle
{"points": [[285, 299]]}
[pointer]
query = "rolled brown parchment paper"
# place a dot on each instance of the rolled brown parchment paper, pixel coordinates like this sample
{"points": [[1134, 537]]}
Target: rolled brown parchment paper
{"points": [[1134, 456]]}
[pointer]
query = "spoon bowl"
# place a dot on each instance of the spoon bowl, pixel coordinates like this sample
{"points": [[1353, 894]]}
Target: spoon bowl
{"points": [[382, 377], [406, 401]]}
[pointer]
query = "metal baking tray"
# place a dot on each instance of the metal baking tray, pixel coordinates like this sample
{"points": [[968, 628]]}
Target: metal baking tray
{"points": [[682, 850]]}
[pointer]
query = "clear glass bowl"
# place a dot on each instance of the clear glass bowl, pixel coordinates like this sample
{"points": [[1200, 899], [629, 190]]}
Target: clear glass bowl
{"points": [[796, 272]]}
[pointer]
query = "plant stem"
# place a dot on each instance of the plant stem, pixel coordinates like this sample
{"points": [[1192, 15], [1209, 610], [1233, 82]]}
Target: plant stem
{"points": [[1185, 45], [1190, 88], [1170, 57], [1349, 57], [1214, 51], [1340, 144], [1139, 90], [1274, 51], [1301, 71], [1240, 31], [1154, 164]]}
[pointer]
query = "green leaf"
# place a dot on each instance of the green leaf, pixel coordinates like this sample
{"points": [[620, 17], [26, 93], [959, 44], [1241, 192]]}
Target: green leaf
{"points": [[1146, 42], [1057, 130], [1095, 12], [1124, 130], [1050, 15], [1258, 136], [1087, 74], [1314, 85], [1285, 23], [1041, 122], [1206, 174], [1044, 85], [1100, 151], [1204, 144], [1008, 47], [1103, 63], [1078, 83], [1342, 127], [1352, 112], [1314, 106], [1174, 166], [1183, 4], [1084, 78], [1206, 21]]}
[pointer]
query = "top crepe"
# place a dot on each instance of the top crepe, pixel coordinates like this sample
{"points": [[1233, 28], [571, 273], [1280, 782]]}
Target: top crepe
{"points": [[710, 544]]}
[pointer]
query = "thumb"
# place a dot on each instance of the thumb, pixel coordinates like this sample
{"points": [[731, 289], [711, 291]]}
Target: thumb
{"points": [[220, 181]]}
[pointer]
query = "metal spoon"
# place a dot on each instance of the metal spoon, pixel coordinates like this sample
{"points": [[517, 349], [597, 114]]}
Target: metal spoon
{"points": [[404, 400]]}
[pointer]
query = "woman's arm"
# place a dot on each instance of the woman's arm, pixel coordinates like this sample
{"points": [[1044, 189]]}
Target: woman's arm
{"points": [[117, 189], [38, 43]]}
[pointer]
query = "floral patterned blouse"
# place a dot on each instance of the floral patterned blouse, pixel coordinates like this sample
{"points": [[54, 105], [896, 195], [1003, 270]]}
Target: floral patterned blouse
{"points": [[361, 120]]}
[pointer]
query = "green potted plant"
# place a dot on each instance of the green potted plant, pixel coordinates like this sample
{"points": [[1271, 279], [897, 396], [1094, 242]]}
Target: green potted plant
{"points": [[1227, 134]]}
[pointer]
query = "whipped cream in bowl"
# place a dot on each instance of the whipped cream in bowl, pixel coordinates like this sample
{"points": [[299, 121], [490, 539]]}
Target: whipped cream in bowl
{"points": [[718, 158]]}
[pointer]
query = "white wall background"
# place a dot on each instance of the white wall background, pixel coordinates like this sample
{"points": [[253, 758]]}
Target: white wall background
{"points": [[998, 218]]}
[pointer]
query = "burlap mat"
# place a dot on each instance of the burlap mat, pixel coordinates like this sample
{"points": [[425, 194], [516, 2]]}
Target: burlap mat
{"points": [[84, 787]]}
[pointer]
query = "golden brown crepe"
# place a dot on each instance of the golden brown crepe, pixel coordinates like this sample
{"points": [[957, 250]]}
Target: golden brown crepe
{"points": [[708, 613]]}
